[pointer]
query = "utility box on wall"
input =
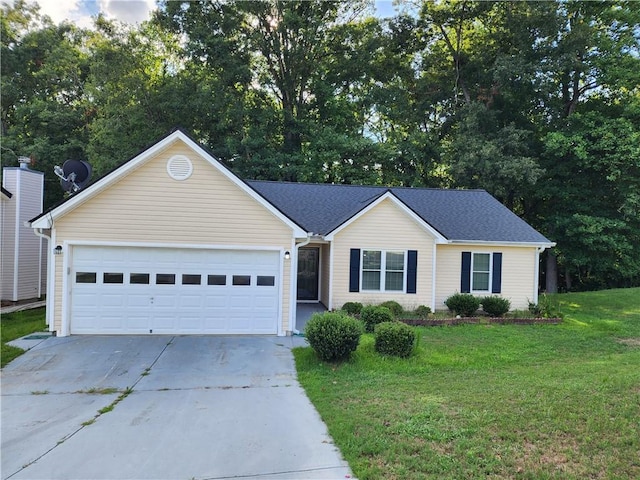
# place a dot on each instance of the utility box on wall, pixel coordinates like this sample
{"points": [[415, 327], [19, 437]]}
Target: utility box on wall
{"points": [[23, 254]]}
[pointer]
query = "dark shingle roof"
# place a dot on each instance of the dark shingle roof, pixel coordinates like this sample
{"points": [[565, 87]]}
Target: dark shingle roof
{"points": [[459, 215]]}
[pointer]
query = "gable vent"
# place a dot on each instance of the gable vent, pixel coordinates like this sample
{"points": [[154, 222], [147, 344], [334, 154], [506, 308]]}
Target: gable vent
{"points": [[179, 167]]}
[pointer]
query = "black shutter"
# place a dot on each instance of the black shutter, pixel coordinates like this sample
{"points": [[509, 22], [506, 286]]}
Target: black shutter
{"points": [[412, 271], [354, 270], [465, 281], [496, 282]]}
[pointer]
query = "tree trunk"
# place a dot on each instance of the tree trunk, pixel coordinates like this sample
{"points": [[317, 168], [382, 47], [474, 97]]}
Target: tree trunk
{"points": [[551, 276]]}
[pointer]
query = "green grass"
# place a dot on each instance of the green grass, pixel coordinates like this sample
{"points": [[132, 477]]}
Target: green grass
{"points": [[493, 401], [16, 325]]}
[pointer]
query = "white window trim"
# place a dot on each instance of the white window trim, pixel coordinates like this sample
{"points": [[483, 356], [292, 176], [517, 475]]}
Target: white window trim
{"points": [[383, 269], [471, 283]]}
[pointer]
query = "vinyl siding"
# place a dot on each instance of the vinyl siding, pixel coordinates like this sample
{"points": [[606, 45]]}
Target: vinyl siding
{"points": [[147, 206], [518, 273], [385, 227], [26, 203]]}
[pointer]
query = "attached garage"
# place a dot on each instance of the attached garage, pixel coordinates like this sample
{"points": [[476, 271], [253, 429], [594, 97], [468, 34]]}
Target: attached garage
{"points": [[143, 290]]}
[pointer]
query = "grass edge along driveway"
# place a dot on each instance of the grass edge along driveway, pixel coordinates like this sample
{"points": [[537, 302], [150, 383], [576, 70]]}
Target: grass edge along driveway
{"points": [[500, 401], [16, 325]]}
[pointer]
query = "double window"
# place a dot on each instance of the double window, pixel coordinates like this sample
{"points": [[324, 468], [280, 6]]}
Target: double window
{"points": [[383, 270]]}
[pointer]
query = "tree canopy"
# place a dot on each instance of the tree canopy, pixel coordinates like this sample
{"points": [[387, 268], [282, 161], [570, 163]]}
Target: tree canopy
{"points": [[536, 102]]}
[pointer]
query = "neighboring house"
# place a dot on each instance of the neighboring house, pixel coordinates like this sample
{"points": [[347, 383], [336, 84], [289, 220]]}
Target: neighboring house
{"points": [[173, 242], [23, 256]]}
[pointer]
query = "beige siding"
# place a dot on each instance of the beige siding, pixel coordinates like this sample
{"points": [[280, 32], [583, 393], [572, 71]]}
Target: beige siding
{"points": [[8, 246], [148, 206], [385, 227], [518, 273]]}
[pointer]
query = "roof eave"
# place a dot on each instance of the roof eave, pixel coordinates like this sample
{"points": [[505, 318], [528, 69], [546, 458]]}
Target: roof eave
{"points": [[502, 243]]}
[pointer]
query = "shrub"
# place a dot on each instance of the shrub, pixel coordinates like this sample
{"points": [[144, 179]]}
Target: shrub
{"points": [[463, 304], [394, 338], [333, 335], [394, 306], [422, 311], [372, 316], [352, 308], [545, 308], [495, 306]]}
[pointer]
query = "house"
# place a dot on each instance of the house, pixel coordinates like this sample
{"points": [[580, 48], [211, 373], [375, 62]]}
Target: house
{"points": [[173, 242], [23, 254]]}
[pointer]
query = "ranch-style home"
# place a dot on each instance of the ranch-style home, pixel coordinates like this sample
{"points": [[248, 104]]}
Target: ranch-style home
{"points": [[173, 242]]}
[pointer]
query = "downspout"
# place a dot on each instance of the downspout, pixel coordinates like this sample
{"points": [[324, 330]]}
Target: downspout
{"points": [[294, 300], [536, 278], [50, 276], [434, 267]]}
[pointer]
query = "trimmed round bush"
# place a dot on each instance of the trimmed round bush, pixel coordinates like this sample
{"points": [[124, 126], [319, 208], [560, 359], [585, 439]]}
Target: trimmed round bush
{"points": [[394, 306], [463, 304], [394, 338], [352, 308], [422, 311], [372, 315], [495, 306], [333, 335]]}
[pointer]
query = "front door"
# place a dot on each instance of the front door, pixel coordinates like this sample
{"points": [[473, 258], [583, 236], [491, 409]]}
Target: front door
{"points": [[308, 266]]}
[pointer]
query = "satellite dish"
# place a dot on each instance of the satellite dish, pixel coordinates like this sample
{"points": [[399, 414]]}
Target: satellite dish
{"points": [[74, 175]]}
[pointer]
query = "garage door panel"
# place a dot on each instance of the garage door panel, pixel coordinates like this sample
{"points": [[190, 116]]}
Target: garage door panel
{"points": [[163, 290]]}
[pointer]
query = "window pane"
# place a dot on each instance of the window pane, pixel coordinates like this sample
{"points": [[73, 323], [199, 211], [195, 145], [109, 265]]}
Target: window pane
{"points": [[395, 261], [480, 281], [112, 278], [481, 262], [85, 277], [394, 281], [371, 280], [266, 281], [139, 278], [242, 280], [189, 279], [371, 260], [217, 280], [165, 279]]}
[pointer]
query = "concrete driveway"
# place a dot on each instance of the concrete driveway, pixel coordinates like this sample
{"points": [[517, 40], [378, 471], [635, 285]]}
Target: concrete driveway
{"points": [[161, 407]]}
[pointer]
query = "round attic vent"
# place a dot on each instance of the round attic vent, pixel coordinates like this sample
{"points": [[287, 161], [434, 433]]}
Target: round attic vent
{"points": [[179, 167]]}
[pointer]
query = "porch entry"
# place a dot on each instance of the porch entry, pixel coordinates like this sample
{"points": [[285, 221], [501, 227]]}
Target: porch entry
{"points": [[308, 274]]}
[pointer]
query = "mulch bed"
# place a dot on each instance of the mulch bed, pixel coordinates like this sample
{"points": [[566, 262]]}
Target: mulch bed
{"points": [[433, 322]]}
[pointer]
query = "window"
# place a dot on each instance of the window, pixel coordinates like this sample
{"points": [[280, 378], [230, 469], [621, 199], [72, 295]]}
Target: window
{"points": [[383, 271], [480, 272], [266, 281], [242, 280], [190, 279], [139, 278], [112, 278], [165, 279], [85, 277], [216, 280]]}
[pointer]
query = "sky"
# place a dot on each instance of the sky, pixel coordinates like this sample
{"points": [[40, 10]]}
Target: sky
{"points": [[128, 11]]}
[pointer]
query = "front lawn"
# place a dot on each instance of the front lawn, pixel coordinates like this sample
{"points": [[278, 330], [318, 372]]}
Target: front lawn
{"points": [[493, 401], [16, 325]]}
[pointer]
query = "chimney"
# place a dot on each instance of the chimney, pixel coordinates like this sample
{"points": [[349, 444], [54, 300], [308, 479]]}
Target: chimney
{"points": [[24, 162]]}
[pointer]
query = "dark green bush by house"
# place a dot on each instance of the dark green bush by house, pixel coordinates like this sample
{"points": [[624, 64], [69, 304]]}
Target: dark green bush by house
{"points": [[463, 304], [394, 338], [422, 311], [333, 335], [372, 315], [495, 306], [352, 308], [394, 306]]}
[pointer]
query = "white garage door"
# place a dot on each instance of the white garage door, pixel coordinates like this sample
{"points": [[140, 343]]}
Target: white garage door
{"points": [[135, 290]]}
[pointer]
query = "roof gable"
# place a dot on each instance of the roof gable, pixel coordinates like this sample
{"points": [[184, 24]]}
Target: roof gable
{"points": [[456, 216], [46, 219]]}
